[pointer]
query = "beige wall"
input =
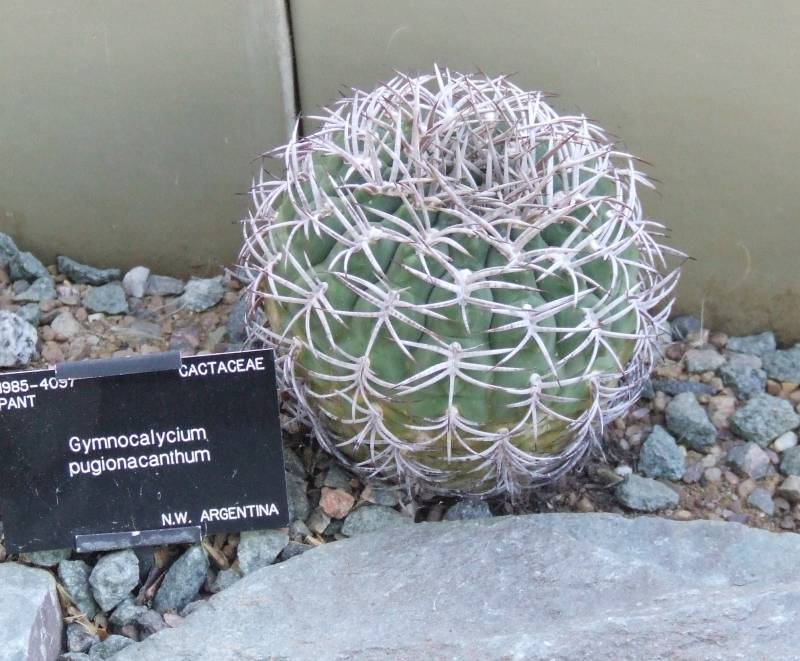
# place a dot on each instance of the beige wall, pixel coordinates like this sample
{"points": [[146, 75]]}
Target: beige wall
{"points": [[128, 127], [707, 91]]}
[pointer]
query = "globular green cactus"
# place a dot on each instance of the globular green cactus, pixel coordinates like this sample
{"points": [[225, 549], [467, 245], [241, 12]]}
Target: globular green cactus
{"points": [[458, 282]]}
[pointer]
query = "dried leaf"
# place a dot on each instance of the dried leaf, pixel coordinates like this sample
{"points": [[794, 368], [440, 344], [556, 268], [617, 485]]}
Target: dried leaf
{"points": [[217, 556]]}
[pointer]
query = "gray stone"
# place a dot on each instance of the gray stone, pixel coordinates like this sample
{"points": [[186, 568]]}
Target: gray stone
{"points": [[762, 499], [43, 289], [790, 461], [194, 606], [783, 365], [109, 299], [745, 379], [113, 578], [24, 266], [79, 639], [46, 558], [236, 324], [202, 294], [338, 478], [65, 325], [756, 345], [784, 441], [135, 281], [469, 508], [763, 419], [684, 325], [30, 312], [141, 329], [225, 578], [19, 286], [293, 464], [694, 472], [647, 390], [183, 580], [30, 616], [749, 460], [83, 274], [689, 423], [109, 647], [702, 360], [150, 622], [126, 612], [293, 549], [17, 340], [790, 489], [381, 495], [260, 548], [673, 387], [299, 507], [318, 521], [74, 656], [8, 249], [745, 359], [548, 586], [644, 494], [74, 575], [163, 285], [369, 518], [661, 456]]}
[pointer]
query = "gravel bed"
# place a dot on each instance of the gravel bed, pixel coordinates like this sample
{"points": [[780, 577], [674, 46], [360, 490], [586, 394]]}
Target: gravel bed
{"points": [[713, 437]]}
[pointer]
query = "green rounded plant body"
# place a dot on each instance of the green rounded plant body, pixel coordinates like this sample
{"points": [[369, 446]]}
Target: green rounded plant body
{"points": [[459, 283]]}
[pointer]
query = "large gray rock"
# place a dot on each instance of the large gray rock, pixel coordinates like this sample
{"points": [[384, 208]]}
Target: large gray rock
{"points": [[689, 423], [83, 274], [17, 340], [543, 586], [763, 419], [30, 616]]}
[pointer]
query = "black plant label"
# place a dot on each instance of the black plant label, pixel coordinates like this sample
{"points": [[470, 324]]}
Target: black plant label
{"points": [[196, 448]]}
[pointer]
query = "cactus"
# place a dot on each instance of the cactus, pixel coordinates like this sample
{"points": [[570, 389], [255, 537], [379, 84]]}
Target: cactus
{"points": [[459, 283]]}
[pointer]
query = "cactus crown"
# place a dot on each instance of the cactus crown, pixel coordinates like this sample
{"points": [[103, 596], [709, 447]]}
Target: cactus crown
{"points": [[459, 282]]}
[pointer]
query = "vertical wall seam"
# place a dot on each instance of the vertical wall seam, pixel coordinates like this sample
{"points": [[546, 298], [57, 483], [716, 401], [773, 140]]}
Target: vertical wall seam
{"points": [[298, 106], [286, 66]]}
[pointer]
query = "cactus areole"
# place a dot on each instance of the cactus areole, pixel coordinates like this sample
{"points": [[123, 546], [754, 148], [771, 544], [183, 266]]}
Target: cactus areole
{"points": [[459, 282]]}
